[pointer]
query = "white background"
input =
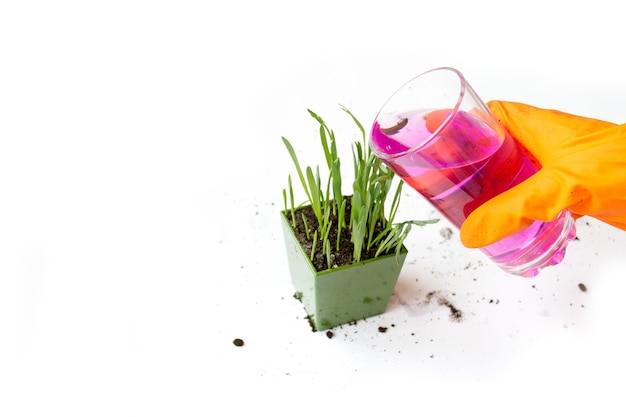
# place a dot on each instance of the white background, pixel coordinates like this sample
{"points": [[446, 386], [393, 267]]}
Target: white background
{"points": [[141, 173]]}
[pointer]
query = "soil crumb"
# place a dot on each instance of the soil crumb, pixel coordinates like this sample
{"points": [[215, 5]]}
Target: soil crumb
{"points": [[446, 233], [455, 314]]}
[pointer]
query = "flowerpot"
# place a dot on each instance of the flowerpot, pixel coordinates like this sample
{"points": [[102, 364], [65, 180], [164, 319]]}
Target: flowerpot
{"points": [[344, 294]]}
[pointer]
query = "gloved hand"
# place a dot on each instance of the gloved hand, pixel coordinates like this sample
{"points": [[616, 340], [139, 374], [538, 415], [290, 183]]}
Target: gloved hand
{"points": [[583, 164]]}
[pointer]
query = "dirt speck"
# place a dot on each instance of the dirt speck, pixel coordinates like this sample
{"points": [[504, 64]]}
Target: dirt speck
{"points": [[455, 313], [446, 233]]}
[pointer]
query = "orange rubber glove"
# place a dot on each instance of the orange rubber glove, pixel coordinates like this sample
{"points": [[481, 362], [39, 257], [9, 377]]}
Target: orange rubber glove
{"points": [[583, 169]]}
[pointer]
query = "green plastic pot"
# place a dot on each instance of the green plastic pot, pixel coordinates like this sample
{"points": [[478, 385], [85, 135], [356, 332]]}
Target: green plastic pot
{"points": [[345, 294]]}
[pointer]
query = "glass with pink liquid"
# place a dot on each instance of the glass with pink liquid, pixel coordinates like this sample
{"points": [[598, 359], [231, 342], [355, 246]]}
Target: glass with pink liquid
{"points": [[443, 141]]}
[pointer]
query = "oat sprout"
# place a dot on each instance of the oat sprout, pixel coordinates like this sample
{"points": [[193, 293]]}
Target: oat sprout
{"points": [[369, 225]]}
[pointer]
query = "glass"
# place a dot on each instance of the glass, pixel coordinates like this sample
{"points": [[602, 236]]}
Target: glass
{"points": [[444, 142]]}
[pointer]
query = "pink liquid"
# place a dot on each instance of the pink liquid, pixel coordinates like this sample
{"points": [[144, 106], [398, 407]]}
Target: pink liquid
{"points": [[462, 167]]}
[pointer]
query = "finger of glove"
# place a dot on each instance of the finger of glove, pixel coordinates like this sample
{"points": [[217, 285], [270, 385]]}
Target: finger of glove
{"points": [[540, 130], [594, 167], [541, 197]]}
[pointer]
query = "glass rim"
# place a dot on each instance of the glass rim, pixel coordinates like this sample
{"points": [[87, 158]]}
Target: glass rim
{"points": [[446, 122]]}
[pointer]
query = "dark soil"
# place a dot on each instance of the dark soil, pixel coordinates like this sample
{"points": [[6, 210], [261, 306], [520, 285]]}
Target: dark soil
{"points": [[455, 313], [341, 257]]}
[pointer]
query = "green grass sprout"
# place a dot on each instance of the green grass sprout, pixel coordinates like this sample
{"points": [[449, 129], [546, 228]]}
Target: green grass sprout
{"points": [[369, 225]]}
